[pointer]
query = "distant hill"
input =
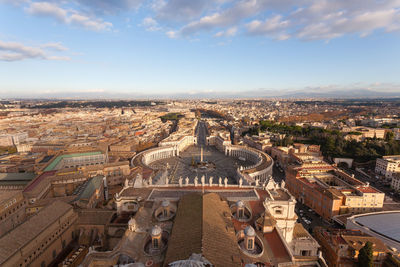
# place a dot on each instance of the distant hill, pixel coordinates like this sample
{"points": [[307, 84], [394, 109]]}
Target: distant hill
{"points": [[260, 93]]}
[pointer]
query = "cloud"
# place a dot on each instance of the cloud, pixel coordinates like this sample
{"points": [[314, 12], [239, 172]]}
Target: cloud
{"points": [[89, 23], [228, 33], [302, 19], [274, 26], [278, 19], [324, 20], [171, 34], [49, 10], [150, 24], [67, 16], [180, 10], [225, 18], [55, 46], [109, 7], [13, 51]]}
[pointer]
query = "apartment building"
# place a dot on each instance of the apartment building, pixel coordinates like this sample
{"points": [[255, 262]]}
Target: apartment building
{"points": [[341, 247], [330, 192], [388, 165]]}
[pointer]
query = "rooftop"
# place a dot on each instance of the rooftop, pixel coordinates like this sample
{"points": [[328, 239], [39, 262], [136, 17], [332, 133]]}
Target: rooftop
{"points": [[387, 224], [30, 229], [201, 227], [57, 160]]}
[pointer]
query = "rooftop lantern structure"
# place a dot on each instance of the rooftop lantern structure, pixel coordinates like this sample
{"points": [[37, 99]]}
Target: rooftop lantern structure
{"points": [[249, 238], [155, 234], [165, 211], [156, 241], [249, 243], [240, 211], [132, 225], [165, 205]]}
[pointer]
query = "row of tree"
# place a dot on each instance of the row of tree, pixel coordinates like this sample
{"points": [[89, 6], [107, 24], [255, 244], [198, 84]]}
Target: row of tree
{"points": [[332, 142]]}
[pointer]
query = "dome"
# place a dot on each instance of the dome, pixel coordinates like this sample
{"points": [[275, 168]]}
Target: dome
{"points": [[240, 204], [156, 230], [249, 231], [165, 203], [132, 222]]}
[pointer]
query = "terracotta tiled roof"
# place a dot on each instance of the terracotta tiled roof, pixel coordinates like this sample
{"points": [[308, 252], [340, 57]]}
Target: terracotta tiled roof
{"points": [[186, 234], [300, 232], [201, 227], [30, 229]]}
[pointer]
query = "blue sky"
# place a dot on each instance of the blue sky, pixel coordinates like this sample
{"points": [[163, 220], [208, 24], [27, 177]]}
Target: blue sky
{"points": [[175, 46]]}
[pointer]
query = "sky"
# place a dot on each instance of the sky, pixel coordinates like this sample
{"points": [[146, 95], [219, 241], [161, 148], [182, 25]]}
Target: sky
{"points": [[197, 46]]}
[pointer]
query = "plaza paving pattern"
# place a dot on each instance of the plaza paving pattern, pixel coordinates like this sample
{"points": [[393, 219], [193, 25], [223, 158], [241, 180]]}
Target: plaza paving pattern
{"points": [[182, 166]]}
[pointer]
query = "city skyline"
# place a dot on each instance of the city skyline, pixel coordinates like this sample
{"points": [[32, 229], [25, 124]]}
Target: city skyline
{"points": [[197, 47]]}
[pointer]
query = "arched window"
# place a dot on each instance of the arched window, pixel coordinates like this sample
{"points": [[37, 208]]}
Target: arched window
{"points": [[155, 243], [250, 243], [241, 213]]}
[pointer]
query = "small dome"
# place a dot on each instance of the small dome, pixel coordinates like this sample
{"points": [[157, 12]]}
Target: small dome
{"points": [[249, 231], [132, 222], [156, 230], [239, 204], [165, 203]]}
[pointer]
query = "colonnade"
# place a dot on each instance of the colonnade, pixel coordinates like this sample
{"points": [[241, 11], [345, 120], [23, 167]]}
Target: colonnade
{"points": [[159, 153]]}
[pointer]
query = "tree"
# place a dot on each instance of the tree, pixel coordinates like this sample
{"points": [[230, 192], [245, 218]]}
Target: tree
{"points": [[365, 257], [389, 136]]}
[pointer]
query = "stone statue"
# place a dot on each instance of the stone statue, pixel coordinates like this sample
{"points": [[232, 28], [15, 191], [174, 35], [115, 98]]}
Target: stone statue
{"points": [[203, 180], [150, 181], [166, 180], [226, 182], [196, 180], [240, 182], [180, 181], [211, 181], [187, 181], [220, 181]]}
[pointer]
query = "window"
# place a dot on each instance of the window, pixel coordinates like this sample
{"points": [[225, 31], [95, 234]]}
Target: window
{"points": [[241, 213], [155, 243], [305, 253], [250, 244], [279, 212], [54, 254]]}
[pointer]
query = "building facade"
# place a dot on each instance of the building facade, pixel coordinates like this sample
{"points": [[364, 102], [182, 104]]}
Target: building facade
{"points": [[39, 240], [388, 165]]}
